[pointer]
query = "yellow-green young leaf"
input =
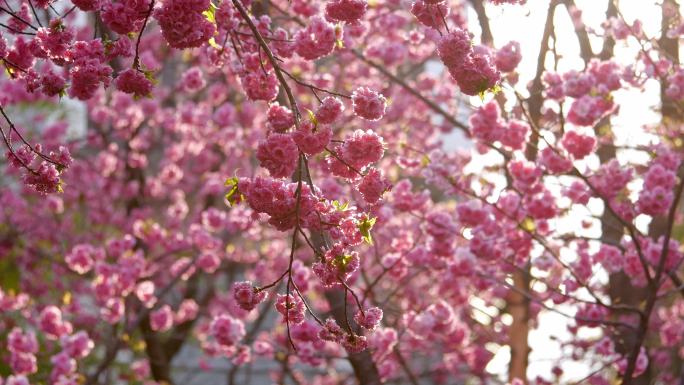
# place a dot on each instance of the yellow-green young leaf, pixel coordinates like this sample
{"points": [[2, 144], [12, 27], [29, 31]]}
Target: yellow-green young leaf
{"points": [[340, 206], [210, 14], [233, 195], [528, 225], [312, 117], [425, 160], [341, 261], [365, 226], [212, 42]]}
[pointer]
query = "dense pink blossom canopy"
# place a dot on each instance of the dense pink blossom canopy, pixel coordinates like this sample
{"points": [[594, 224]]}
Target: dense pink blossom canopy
{"points": [[273, 186]]}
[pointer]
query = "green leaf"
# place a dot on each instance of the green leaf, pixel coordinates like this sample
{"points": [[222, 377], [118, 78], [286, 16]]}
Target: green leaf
{"points": [[10, 276], [341, 261], [340, 206], [212, 42], [210, 14], [365, 226], [312, 117], [233, 196]]}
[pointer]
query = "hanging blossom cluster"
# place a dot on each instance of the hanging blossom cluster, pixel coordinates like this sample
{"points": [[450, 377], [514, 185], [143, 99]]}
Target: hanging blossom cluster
{"points": [[274, 184]]}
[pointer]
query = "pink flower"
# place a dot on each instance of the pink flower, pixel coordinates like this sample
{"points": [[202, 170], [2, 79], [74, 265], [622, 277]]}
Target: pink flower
{"points": [[655, 201], [610, 257], [77, 345], [349, 11], [430, 13], [209, 262], [316, 40], [51, 322], [278, 154], [586, 110], [291, 307], [227, 330], [525, 174], [3, 47], [515, 134], [486, 123], [331, 331], [132, 81], [20, 342], [161, 319], [80, 259], [145, 293], [54, 41], [578, 145], [310, 142], [182, 23], [125, 16], [440, 225], [611, 178], [277, 199], [336, 265], [508, 57], [368, 104], [471, 213], [658, 175], [454, 48], [86, 79], [113, 310], [17, 379], [373, 185], [354, 343], [329, 110], [553, 84], [362, 148], [193, 79], [45, 180], [472, 68], [641, 363], [62, 366], [553, 162], [541, 206], [87, 5], [280, 118], [476, 75], [403, 199], [578, 192], [259, 85], [187, 311], [23, 363], [52, 84], [247, 296], [369, 318]]}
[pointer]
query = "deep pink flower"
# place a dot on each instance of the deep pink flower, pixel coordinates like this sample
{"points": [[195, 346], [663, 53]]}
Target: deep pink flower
{"points": [[368, 104], [315, 40], [349, 11], [369, 318], [278, 154], [247, 296], [227, 330], [374, 185], [132, 81], [362, 148]]}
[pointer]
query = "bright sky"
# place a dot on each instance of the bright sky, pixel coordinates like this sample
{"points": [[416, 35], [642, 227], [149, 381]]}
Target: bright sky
{"points": [[525, 24]]}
